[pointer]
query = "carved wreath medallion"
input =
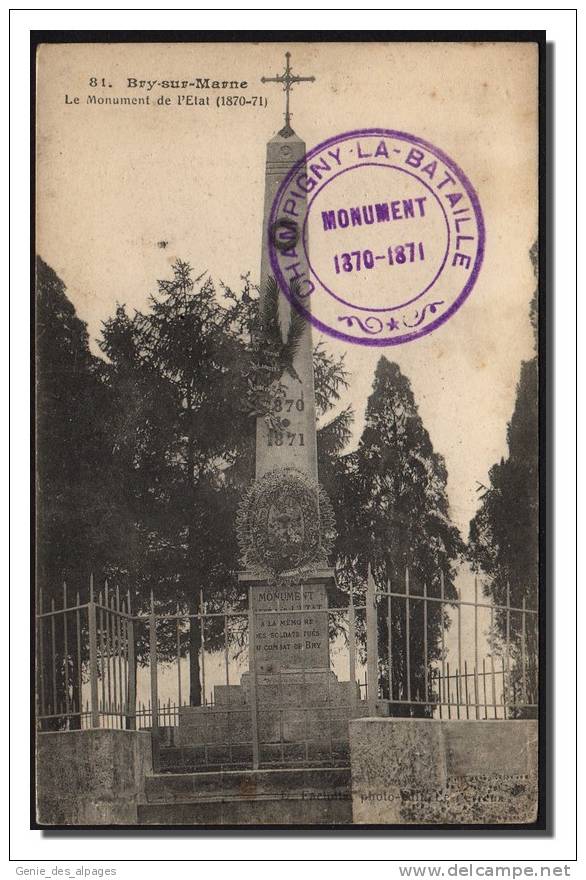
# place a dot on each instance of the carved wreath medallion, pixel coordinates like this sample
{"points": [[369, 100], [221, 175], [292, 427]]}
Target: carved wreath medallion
{"points": [[285, 524]]}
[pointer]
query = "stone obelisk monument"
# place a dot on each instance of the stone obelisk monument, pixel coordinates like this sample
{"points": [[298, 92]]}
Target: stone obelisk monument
{"points": [[286, 523], [285, 526], [297, 448]]}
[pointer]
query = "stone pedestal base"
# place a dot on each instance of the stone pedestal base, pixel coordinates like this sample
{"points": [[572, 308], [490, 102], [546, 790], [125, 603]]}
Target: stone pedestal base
{"points": [[292, 707], [300, 708]]}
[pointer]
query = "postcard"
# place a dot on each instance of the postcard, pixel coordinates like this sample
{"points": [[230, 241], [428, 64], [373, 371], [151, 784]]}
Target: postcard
{"points": [[288, 359]]}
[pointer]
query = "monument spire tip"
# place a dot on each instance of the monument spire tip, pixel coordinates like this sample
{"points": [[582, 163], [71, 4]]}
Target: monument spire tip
{"points": [[288, 79]]}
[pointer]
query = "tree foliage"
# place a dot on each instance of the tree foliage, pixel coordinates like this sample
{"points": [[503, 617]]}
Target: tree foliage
{"points": [[179, 365], [393, 515], [82, 522], [81, 515], [504, 533]]}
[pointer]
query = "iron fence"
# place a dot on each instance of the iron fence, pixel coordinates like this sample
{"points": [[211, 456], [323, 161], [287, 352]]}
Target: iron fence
{"points": [[392, 647], [500, 684], [86, 661]]}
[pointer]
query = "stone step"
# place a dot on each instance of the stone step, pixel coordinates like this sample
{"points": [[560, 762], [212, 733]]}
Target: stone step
{"points": [[216, 757], [304, 783], [250, 811]]}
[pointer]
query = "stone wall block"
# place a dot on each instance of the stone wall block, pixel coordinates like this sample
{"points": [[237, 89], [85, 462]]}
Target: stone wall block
{"points": [[431, 771], [91, 777]]}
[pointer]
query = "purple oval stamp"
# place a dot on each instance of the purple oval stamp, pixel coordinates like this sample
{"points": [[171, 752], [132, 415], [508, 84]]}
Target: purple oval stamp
{"points": [[376, 236]]}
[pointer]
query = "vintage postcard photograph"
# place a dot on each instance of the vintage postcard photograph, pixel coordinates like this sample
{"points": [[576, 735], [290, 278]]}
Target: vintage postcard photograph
{"points": [[287, 407]]}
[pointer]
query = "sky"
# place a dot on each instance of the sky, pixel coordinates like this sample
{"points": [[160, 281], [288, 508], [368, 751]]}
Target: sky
{"points": [[113, 182]]}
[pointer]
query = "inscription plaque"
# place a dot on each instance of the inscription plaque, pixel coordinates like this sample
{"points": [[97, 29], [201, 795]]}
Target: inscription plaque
{"points": [[291, 627]]}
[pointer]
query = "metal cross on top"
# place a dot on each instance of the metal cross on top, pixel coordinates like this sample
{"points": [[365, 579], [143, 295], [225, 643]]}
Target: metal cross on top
{"points": [[288, 79]]}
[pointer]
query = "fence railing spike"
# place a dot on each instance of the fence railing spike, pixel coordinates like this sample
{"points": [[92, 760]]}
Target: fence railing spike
{"points": [[371, 642]]}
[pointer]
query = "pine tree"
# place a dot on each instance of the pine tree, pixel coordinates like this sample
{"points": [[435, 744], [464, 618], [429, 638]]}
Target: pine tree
{"points": [[72, 399], [393, 514], [177, 371], [504, 533], [80, 522]]}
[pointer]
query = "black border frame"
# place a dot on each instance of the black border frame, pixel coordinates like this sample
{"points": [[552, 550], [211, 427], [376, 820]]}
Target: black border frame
{"points": [[544, 821]]}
